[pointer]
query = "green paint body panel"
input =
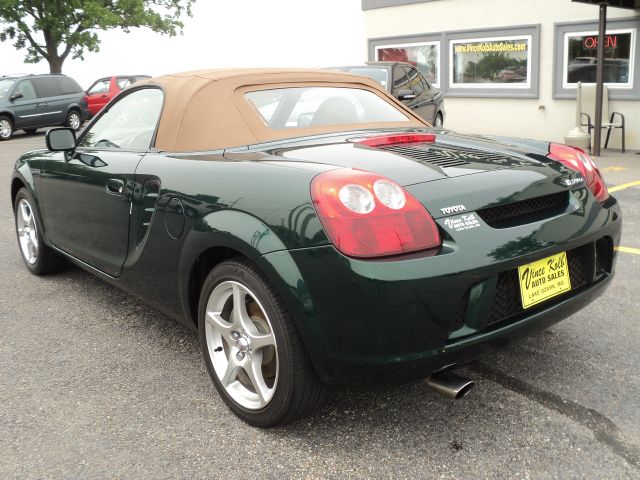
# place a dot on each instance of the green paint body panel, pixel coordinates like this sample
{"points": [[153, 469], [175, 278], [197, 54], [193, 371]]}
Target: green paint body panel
{"points": [[391, 318], [360, 320]]}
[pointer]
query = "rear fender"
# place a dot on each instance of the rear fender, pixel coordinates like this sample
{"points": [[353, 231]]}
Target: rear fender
{"points": [[251, 238], [256, 241]]}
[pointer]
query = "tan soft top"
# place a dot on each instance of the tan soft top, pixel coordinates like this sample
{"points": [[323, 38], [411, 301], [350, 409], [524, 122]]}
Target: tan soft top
{"points": [[207, 110]]}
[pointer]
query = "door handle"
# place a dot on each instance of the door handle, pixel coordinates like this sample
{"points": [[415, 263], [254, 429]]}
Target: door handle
{"points": [[42, 104], [114, 186]]}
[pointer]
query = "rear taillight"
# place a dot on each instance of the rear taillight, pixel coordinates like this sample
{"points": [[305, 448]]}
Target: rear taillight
{"points": [[368, 215], [577, 159]]}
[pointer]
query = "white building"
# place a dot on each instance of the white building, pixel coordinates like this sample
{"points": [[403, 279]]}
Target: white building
{"points": [[510, 67]]}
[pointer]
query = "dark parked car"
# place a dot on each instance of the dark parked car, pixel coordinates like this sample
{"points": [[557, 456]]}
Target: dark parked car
{"points": [[104, 89], [408, 85], [30, 102], [314, 230], [583, 69]]}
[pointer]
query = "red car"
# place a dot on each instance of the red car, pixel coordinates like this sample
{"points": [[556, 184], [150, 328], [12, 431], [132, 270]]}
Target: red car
{"points": [[104, 89]]}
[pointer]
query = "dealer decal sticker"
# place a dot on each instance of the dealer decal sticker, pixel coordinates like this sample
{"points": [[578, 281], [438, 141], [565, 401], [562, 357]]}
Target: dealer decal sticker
{"points": [[463, 222]]}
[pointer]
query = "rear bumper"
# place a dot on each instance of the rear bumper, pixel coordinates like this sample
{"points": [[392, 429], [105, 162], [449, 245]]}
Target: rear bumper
{"points": [[85, 114], [368, 321]]}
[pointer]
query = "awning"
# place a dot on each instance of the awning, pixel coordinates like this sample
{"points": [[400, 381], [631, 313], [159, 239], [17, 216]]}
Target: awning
{"points": [[631, 4]]}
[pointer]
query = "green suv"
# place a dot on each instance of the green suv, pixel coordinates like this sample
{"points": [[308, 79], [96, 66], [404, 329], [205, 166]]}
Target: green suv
{"points": [[29, 102]]}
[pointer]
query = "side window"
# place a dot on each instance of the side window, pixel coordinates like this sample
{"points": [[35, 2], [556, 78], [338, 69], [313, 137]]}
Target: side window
{"points": [[425, 83], [68, 86], [124, 82], [415, 81], [129, 124], [25, 87], [46, 87], [400, 80], [101, 86]]}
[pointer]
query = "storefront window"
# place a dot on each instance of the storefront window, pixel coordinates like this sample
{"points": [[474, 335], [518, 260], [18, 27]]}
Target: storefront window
{"points": [[491, 62], [497, 62], [580, 57], [425, 56]]}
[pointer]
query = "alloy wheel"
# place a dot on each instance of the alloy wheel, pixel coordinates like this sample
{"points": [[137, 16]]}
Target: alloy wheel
{"points": [[5, 129], [74, 121], [27, 231], [241, 345]]}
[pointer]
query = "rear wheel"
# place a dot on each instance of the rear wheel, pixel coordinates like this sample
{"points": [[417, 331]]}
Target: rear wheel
{"points": [[73, 120], [252, 349], [6, 128], [439, 121], [38, 257]]}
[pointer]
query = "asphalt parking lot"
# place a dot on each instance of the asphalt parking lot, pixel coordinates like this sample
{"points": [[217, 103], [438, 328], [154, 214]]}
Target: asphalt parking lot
{"points": [[93, 383]]}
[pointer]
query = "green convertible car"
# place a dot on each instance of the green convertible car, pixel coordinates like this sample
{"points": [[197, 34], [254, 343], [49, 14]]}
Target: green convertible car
{"points": [[315, 231]]}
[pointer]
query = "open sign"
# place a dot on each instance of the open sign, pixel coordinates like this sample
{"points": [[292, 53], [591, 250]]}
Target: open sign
{"points": [[611, 41]]}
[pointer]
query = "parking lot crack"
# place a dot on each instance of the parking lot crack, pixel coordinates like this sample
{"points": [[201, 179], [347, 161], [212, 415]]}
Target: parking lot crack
{"points": [[604, 430]]}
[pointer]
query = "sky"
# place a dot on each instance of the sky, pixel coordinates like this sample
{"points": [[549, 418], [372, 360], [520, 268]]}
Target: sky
{"points": [[223, 33]]}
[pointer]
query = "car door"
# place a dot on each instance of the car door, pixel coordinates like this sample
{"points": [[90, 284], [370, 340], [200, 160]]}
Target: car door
{"points": [[424, 102], [88, 193], [50, 100], [26, 108], [98, 95]]}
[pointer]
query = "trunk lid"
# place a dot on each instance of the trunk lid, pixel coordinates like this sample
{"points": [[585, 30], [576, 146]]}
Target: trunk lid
{"points": [[450, 156], [455, 173]]}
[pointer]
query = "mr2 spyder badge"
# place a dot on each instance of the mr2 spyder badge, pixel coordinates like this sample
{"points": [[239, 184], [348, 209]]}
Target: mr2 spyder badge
{"points": [[463, 222], [569, 182], [453, 209]]}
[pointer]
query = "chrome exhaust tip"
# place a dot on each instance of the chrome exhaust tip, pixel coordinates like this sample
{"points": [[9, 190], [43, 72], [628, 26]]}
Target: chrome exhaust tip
{"points": [[449, 384]]}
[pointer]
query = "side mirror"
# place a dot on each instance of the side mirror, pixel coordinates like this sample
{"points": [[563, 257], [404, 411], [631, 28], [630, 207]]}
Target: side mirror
{"points": [[16, 96], [405, 94], [61, 140]]}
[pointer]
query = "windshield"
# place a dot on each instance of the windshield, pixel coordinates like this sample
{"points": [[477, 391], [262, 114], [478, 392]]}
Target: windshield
{"points": [[5, 87], [301, 107]]}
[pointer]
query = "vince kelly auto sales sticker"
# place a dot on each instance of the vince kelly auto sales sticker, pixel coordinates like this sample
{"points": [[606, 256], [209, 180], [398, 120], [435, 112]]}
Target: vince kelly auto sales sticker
{"points": [[544, 279], [463, 222]]}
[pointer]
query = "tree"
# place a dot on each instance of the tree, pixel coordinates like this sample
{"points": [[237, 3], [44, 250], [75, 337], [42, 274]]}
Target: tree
{"points": [[55, 29]]}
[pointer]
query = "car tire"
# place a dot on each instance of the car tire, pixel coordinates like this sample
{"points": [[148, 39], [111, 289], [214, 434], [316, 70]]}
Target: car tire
{"points": [[37, 256], [267, 385], [74, 120], [439, 121], [6, 128]]}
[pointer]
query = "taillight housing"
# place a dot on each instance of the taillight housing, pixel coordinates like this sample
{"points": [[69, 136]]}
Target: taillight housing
{"points": [[367, 215], [577, 159]]}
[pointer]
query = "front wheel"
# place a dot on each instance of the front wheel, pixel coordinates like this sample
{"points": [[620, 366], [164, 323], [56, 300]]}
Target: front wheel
{"points": [[73, 120], [6, 128], [38, 257], [252, 349]]}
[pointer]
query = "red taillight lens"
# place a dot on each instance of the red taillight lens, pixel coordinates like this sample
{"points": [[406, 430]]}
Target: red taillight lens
{"points": [[578, 160], [396, 138], [368, 215]]}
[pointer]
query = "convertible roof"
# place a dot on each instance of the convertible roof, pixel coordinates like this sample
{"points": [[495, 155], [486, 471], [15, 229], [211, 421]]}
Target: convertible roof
{"points": [[206, 110]]}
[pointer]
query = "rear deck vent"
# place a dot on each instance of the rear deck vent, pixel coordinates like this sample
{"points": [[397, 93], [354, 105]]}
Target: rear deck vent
{"points": [[446, 157], [526, 211]]}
